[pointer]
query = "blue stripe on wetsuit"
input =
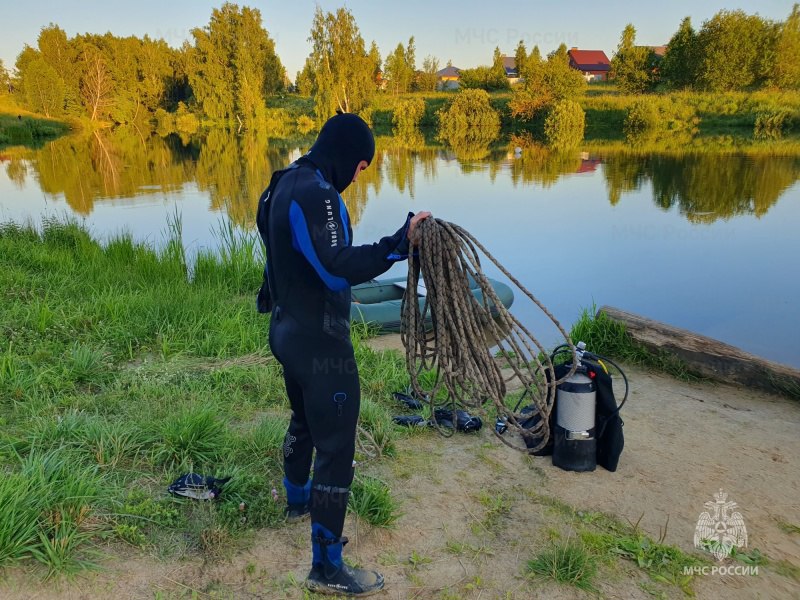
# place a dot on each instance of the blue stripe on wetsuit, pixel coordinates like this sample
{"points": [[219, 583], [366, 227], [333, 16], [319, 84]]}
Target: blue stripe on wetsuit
{"points": [[345, 221], [301, 240]]}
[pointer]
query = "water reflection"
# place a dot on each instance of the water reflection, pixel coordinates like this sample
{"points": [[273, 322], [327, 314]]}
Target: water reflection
{"points": [[233, 168]]}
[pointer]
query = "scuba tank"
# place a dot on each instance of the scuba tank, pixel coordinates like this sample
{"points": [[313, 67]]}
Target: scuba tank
{"points": [[574, 441], [585, 425]]}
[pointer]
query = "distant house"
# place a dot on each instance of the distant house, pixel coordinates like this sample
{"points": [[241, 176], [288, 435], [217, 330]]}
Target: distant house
{"points": [[510, 65], [655, 56], [594, 64], [447, 78]]}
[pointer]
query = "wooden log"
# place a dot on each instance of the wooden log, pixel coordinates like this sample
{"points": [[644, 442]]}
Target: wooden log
{"points": [[708, 357]]}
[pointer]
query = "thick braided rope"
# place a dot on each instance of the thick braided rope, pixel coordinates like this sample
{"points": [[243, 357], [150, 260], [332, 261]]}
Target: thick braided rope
{"points": [[456, 349]]}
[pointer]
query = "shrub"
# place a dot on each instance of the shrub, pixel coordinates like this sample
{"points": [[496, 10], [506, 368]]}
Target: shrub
{"points": [[642, 116], [276, 122], [772, 124], [564, 124], [469, 118], [408, 114], [484, 78], [305, 124]]}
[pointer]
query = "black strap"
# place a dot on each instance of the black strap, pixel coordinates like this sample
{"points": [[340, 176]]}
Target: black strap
{"points": [[323, 541]]}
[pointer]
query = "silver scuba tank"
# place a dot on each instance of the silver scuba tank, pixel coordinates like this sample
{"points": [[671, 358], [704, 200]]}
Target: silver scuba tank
{"points": [[574, 443]]}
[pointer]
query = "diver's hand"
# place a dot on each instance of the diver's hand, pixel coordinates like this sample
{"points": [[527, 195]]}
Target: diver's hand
{"points": [[420, 216]]}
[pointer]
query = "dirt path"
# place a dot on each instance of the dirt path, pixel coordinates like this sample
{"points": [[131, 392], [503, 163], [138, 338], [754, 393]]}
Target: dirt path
{"points": [[473, 511]]}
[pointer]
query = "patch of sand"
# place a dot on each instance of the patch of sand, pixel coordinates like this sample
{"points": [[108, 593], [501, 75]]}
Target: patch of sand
{"points": [[683, 443]]}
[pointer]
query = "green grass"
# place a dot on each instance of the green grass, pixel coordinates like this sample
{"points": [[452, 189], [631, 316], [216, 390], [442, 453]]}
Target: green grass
{"points": [[21, 127], [49, 504], [602, 540], [713, 114], [608, 337], [371, 500], [133, 363], [567, 563]]}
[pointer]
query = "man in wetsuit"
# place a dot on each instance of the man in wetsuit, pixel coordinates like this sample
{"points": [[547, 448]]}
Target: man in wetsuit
{"points": [[311, 265]]}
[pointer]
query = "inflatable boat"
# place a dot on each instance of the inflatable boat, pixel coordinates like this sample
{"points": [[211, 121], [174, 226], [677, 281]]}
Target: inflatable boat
{"points": [[378, 302]]}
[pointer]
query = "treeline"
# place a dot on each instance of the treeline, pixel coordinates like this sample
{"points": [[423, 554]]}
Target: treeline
{"points": [[226, 73], [229, 69], [731, 51]]}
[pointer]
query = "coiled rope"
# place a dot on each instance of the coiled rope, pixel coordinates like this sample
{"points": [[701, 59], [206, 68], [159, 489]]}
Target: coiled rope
{"points": [[457, 348]]}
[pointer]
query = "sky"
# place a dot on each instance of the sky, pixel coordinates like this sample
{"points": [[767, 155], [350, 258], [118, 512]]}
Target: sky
{"points": [[465, 32]]}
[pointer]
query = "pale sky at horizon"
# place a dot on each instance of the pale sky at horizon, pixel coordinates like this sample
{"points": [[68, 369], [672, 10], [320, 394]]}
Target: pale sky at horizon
{"points": [[465, 32]]}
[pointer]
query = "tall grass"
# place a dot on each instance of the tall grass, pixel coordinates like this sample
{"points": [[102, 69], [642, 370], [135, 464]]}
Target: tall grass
{"points": [[18, 127], [48, 508], [123, 365], [372, 501], [605, 336], [711, 113]]}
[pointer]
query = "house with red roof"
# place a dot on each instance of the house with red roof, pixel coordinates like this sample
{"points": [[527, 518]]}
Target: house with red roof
{"points": [[594, 64]]}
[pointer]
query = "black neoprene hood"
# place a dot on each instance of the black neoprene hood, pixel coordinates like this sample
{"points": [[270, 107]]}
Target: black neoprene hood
{"points": [[343, 142]]}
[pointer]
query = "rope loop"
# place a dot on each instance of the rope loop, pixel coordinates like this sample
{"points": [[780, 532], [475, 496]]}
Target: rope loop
{"points": [[457, 347]]}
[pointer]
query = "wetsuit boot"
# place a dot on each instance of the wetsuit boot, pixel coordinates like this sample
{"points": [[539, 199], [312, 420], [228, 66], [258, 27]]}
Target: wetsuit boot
{"points": [[330, 575], [297, 499]]}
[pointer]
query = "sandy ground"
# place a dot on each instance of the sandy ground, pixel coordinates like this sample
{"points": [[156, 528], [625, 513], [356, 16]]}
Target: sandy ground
{"points": [[683, 443]]}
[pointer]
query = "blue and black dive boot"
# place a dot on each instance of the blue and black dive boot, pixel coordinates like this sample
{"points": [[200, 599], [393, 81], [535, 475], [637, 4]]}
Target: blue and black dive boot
{"points": [[330, 575], [297, 499]]}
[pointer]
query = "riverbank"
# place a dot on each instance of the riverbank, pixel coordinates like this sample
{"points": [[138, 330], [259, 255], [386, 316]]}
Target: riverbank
{"points": [[730, 113], [118, 372], [21, 127]]}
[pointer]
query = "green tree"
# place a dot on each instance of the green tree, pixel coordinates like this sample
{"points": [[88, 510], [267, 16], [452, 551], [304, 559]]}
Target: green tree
{"points": [[155, 71], [21, 65], [428, 78], [531, 68], [401, 68], [64, 57], [521, 57], [734, 49], [5, 79], [342, 69], [233, 66], [377, 65], [396, 72], [630, 66], [785, 72], [545, 83], [679, 67], [259, 72], [305, 80], [560, 54], [498, 79], [44, 89], [411, 63]]}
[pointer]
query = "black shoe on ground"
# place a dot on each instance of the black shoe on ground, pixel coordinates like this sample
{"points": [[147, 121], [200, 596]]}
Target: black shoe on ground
{"points": [[295, 512], [346, 582]]}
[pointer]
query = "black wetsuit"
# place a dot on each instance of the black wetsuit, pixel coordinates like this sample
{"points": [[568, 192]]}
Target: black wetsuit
{"points": [[311, 266]]}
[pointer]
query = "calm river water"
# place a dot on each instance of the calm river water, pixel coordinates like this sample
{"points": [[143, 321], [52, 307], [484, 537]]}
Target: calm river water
{"points": [[705, 241]]}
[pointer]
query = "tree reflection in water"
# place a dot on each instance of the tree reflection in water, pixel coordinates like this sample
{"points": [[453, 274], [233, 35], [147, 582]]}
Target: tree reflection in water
{"points": [[234, 168]]}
